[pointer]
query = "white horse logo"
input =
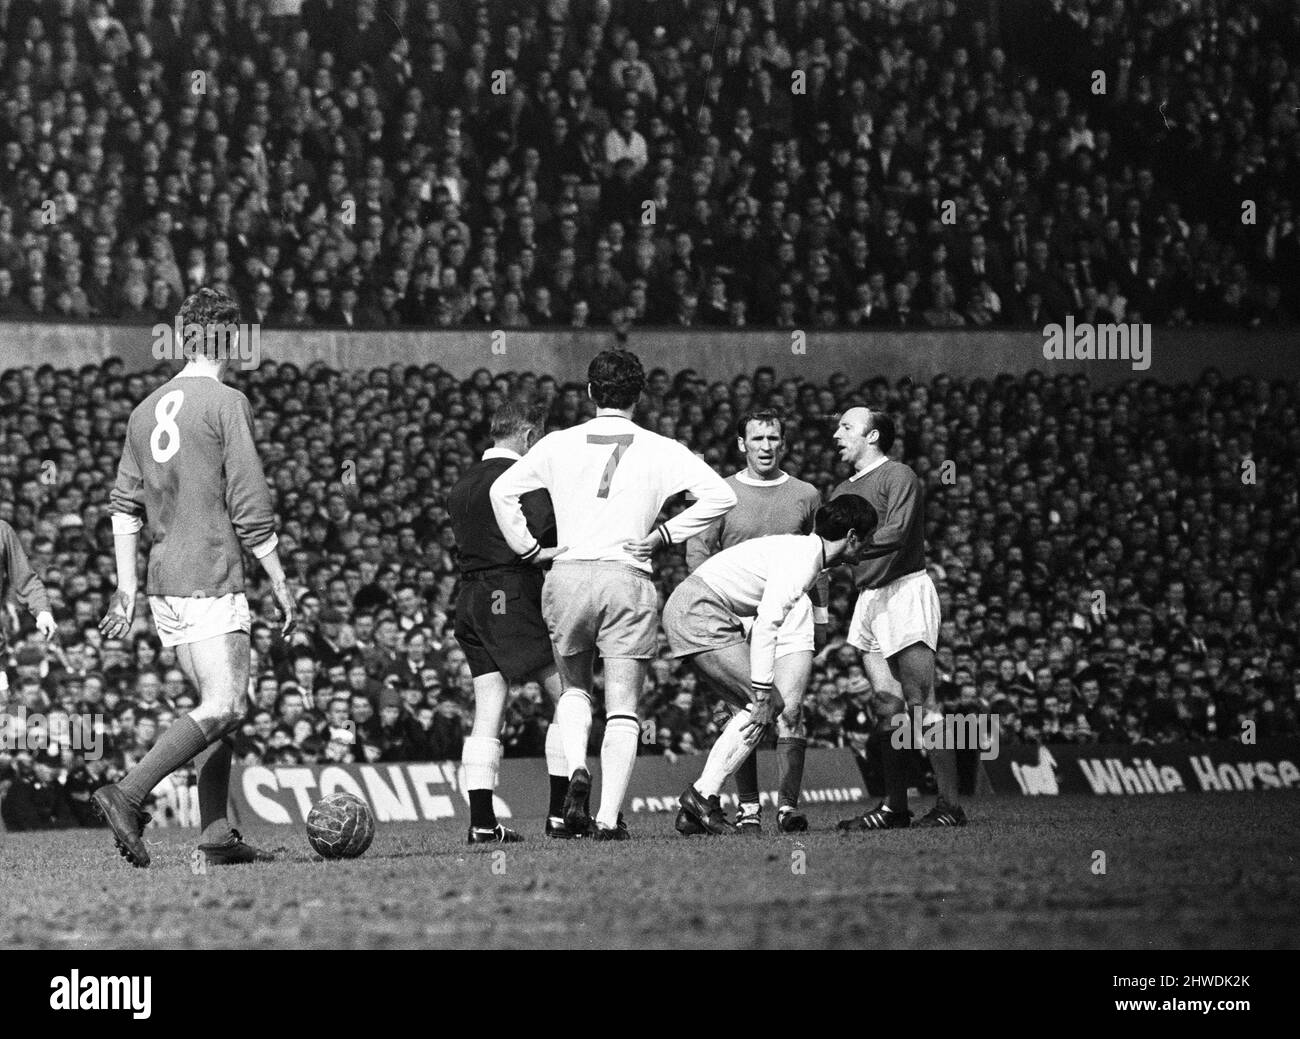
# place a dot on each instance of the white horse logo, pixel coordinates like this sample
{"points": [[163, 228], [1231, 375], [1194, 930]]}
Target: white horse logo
{"points": [[1037, 779]]}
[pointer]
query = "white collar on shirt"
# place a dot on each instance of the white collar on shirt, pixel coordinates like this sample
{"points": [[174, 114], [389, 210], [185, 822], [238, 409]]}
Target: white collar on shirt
{"points": [[193, 373], [744, 477], [500, 452], [869, 469]]}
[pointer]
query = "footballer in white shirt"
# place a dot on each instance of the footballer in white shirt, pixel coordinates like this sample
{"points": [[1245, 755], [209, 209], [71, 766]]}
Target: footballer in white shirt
{"points": [[704, 620], [608, 480]]}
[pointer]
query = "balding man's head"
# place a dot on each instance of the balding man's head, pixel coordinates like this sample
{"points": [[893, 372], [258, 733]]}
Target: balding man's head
{"points": [[864, 434]]}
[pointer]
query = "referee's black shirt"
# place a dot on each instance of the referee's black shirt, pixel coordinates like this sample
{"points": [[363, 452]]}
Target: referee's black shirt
{"points": [[478, 538]]}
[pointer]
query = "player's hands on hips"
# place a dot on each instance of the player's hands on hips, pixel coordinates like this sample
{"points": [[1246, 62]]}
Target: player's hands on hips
{"points": [[45, 625], [767, 706], [121, 611], [283, 598], [545, 555], [643, 548]]}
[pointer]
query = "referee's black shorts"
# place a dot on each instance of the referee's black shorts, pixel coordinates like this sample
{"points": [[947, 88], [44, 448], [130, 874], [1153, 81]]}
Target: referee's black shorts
{"points": [[499, 622]]}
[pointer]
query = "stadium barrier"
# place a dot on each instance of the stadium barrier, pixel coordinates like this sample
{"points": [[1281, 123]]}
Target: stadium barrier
{"points": [[432, 791], [1167, 768], [1176, 354]]}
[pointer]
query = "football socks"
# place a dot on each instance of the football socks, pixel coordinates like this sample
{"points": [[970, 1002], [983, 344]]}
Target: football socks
{"points": [[573, 716], [747, 780], [183, 741], [729, 750], [943, 760], [617, 758], [893, 763], [481, 759], [790, 753], [213, 769], [557, 767]]}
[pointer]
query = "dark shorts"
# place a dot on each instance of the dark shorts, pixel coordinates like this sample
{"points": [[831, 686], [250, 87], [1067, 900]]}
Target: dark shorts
{"points": [[499, 623]]}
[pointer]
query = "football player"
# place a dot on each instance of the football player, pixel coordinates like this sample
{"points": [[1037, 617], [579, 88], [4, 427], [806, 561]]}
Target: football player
{"points": [[608, 479], [190, 469], [762, 578], [771, 501], [895, 621]]}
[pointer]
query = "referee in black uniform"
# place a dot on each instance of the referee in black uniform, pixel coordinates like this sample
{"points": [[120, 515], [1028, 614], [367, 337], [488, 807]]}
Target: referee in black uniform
{"points": [[499, 621]]}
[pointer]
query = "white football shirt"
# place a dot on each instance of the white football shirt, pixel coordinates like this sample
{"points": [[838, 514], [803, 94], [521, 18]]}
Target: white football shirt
{"points": [[608, 478], [763, 578]]}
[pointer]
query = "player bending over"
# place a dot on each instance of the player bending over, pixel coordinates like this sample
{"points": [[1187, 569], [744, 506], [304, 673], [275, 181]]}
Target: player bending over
{"points": [[895, 621], [190, 469], [499, 621], [608, 479], [771, 501], [763, 578]]}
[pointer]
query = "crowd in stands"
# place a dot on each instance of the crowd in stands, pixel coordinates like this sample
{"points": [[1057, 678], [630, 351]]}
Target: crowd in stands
{"points": [[1115, 564], [716, 163]]}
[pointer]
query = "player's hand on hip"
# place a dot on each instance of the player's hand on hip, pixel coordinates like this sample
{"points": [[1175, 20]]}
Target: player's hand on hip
{"points": [[820, 633], [46, 626], [121, 611], [285, 601], [643, 548], [545, 555]]}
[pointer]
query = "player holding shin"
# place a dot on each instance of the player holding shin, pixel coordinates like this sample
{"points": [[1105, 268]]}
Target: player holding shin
{"points": [[499, 621], [190, 469], [608, 479], [770, 501], [895, 622], [762, 578]]}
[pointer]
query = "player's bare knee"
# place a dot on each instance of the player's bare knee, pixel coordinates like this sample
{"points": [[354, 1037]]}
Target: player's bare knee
{"points": [[218, 718]]}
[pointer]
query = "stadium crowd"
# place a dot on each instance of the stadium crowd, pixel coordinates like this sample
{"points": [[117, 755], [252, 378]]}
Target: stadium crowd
{"points": [[718, 163], [1114, 565]]}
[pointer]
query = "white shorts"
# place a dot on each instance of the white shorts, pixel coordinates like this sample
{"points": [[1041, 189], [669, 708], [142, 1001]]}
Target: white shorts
{"points": [[889, 619], [181, 619], [796, 632], [601, 604]]}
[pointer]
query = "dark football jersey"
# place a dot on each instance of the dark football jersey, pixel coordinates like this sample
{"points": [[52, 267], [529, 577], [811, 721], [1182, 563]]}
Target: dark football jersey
{"points": [[190, 470]]}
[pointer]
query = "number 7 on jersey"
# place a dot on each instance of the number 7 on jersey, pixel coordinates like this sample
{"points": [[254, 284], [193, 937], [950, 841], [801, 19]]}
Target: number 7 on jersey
{"points": [[621, 442]]}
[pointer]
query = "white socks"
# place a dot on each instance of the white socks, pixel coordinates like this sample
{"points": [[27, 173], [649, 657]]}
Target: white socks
{"points": [[729, 752], [617, 757], [573, 719], [556, 761], [481, 759]]}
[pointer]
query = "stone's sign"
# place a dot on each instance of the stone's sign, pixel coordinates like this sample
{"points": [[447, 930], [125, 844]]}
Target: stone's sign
{"points": [[434, 790]]}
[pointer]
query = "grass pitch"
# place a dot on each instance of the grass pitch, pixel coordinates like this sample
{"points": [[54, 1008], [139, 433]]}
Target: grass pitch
{"points": [[1205, 871]]}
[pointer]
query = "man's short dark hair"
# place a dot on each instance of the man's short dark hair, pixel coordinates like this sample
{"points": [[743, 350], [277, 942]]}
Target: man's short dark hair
{"points": [[616, 379], [214, 312], [209, 307], [883, 423], [847, 512], [764, 415], [513, 418]]}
